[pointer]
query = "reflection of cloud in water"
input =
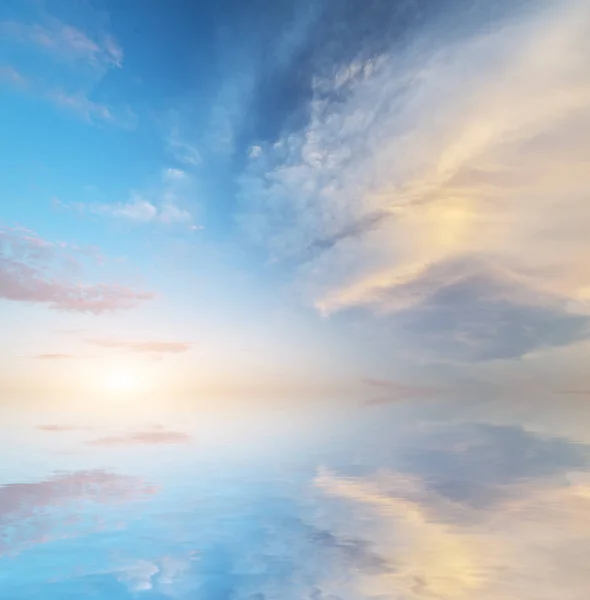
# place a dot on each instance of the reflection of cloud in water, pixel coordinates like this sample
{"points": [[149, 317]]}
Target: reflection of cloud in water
{"points": [[449, 511], [35, 512]]}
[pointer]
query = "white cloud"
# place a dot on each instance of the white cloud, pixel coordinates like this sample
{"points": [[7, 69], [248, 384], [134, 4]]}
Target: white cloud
{"points": [[472, 152], [139, 210], [161, 574], [162, 205], [138, 576], [182, 150], [174, 175], [136, 209]]}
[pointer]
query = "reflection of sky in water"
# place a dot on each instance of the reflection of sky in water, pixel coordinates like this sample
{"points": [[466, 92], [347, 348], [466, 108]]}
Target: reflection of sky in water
{"points": [[212, 213], [366, 509]]}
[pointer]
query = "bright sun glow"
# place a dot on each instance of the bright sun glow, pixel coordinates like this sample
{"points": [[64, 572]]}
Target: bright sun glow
{"points": [[120, 382]]}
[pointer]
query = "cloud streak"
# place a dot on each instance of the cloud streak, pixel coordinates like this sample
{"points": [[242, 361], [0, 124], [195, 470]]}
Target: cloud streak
{"points": [[395, 391], [155, 347], [152, 437], [61, 428], [65, 42]]}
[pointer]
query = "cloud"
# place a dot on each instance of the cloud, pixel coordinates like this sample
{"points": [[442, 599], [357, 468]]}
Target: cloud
{"points": [[395, 391], [65, 42], [470, 311], [53, 356], [33, 511], [159, 574], [430, 557], [31, 271], [73, 62], [142, 347], [10, 75], [160, 206], [151, 437], [511, 551], [476, 464], [574, 392], [439, 178], [76, 102], [183, 151], [80, 104], [61, 428]]}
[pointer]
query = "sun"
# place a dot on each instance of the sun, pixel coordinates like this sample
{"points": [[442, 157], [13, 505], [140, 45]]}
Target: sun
{"points": [[120, 381]]}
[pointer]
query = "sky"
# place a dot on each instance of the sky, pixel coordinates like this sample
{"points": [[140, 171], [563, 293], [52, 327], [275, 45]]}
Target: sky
{"points": [[299, 291]]}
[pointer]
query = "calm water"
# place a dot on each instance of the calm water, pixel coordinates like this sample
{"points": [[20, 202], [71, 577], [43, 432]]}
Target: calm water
{"points": [[380, 502]]}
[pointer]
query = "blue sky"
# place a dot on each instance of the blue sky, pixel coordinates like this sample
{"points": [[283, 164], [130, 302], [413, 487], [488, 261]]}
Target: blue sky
{"points": [[341, 177]]}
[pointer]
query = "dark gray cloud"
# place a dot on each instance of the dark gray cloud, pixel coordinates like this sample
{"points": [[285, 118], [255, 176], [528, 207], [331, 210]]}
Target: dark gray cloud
{"points": [[471, 312], [458, 324]]}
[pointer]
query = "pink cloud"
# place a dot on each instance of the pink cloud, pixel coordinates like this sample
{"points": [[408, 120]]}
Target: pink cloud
{"points": [[156, 436], [59, 428], [28, 267], [148, 347]]}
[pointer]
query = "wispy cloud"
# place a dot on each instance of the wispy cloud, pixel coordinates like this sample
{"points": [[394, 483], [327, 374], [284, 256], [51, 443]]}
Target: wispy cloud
{"points": [[11, 76], [150, 437], [54, 428], [155, 347], [79, 60], [140, 210], [443, 185], [65, 42], [32, 270], [54, 356], [161, 206], [396, 391], [78, 102], [181, 149]]}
